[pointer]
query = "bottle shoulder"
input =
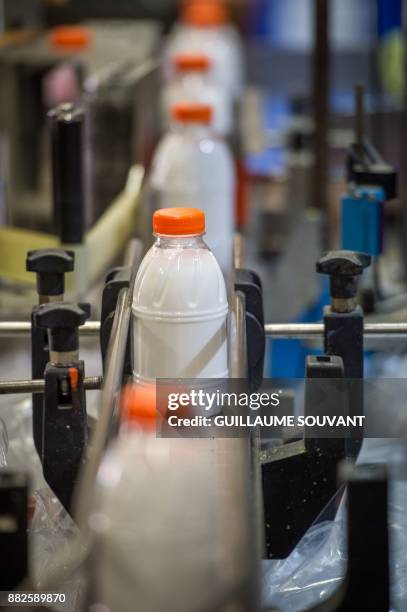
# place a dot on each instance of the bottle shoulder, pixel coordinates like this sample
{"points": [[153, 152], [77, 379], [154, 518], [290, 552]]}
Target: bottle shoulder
{"points": [[178, 282]]}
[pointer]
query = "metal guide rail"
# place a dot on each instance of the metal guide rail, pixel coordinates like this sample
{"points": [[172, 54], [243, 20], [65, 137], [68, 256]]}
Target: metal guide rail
{"points": [[91, 383], [294, 331], [287, 331]]}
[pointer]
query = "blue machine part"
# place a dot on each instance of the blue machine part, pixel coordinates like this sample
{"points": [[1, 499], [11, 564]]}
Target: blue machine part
{"points": [[362, 220]]}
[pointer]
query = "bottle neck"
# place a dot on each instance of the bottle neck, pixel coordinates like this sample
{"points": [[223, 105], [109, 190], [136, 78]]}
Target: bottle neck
{"points": [[191, 73], [180, 242], [201, 130], [192, 79], [197, 74]]}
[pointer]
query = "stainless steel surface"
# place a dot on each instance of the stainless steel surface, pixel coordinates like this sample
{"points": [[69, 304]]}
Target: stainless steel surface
{"points": [[111, 387], [237, 338], [310, 331], [107, 418], [37, 386], [12, 329], [239, 251], [299, 331], [63, 358], [246, 472]]}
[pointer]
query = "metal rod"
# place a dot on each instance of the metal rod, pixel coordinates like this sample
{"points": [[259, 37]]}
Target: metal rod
{"points": [[300, 331], [14, 329], [286, 331], [108, 405], [239, 251], [37, 386], [237, 338], [311, 331]]}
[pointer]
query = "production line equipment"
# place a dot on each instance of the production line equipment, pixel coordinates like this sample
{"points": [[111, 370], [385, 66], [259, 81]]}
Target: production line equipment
{"points": [[279, 477]]}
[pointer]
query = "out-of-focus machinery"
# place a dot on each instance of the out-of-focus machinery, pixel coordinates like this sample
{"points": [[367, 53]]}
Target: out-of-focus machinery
{"points": [[110, 70]]}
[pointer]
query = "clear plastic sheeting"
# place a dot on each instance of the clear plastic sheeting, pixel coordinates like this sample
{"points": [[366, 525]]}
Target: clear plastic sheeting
{"points": [[50, 531], [16, 417], [312, 571], [51, 527], [317, 565]]}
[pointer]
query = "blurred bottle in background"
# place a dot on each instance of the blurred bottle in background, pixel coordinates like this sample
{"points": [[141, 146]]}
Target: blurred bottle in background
{"points": [[204, 27], [193, 168]]}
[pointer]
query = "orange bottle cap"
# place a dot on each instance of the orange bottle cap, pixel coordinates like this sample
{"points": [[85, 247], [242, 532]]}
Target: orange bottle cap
{"points": [[204, 13], [70, 37], [192, 61], [192, 112], [178, 222], [138, 406]]}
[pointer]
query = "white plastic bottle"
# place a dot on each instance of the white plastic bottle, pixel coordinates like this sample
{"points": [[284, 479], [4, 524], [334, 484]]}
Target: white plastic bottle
{"points": [[193, 168], [193, 82], [204, 27], [169, 519], [179, 303]]}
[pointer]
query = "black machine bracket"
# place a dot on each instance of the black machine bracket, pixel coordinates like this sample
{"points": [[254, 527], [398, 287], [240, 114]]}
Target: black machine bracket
{"points": [[50, 266], [298, 485], [249, 283], [116, 280], [65, 429]]}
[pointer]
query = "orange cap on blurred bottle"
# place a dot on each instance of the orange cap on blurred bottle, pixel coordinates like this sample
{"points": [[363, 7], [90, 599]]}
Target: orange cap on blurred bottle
{"points": [[204, 13], [70, 37], [138, 406], [179, 222], [192, 61], [192, 112]]}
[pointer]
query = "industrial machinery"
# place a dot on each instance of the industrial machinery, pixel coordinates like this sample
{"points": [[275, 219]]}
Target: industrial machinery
{"points": [[298, 503], [108, 75]]}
